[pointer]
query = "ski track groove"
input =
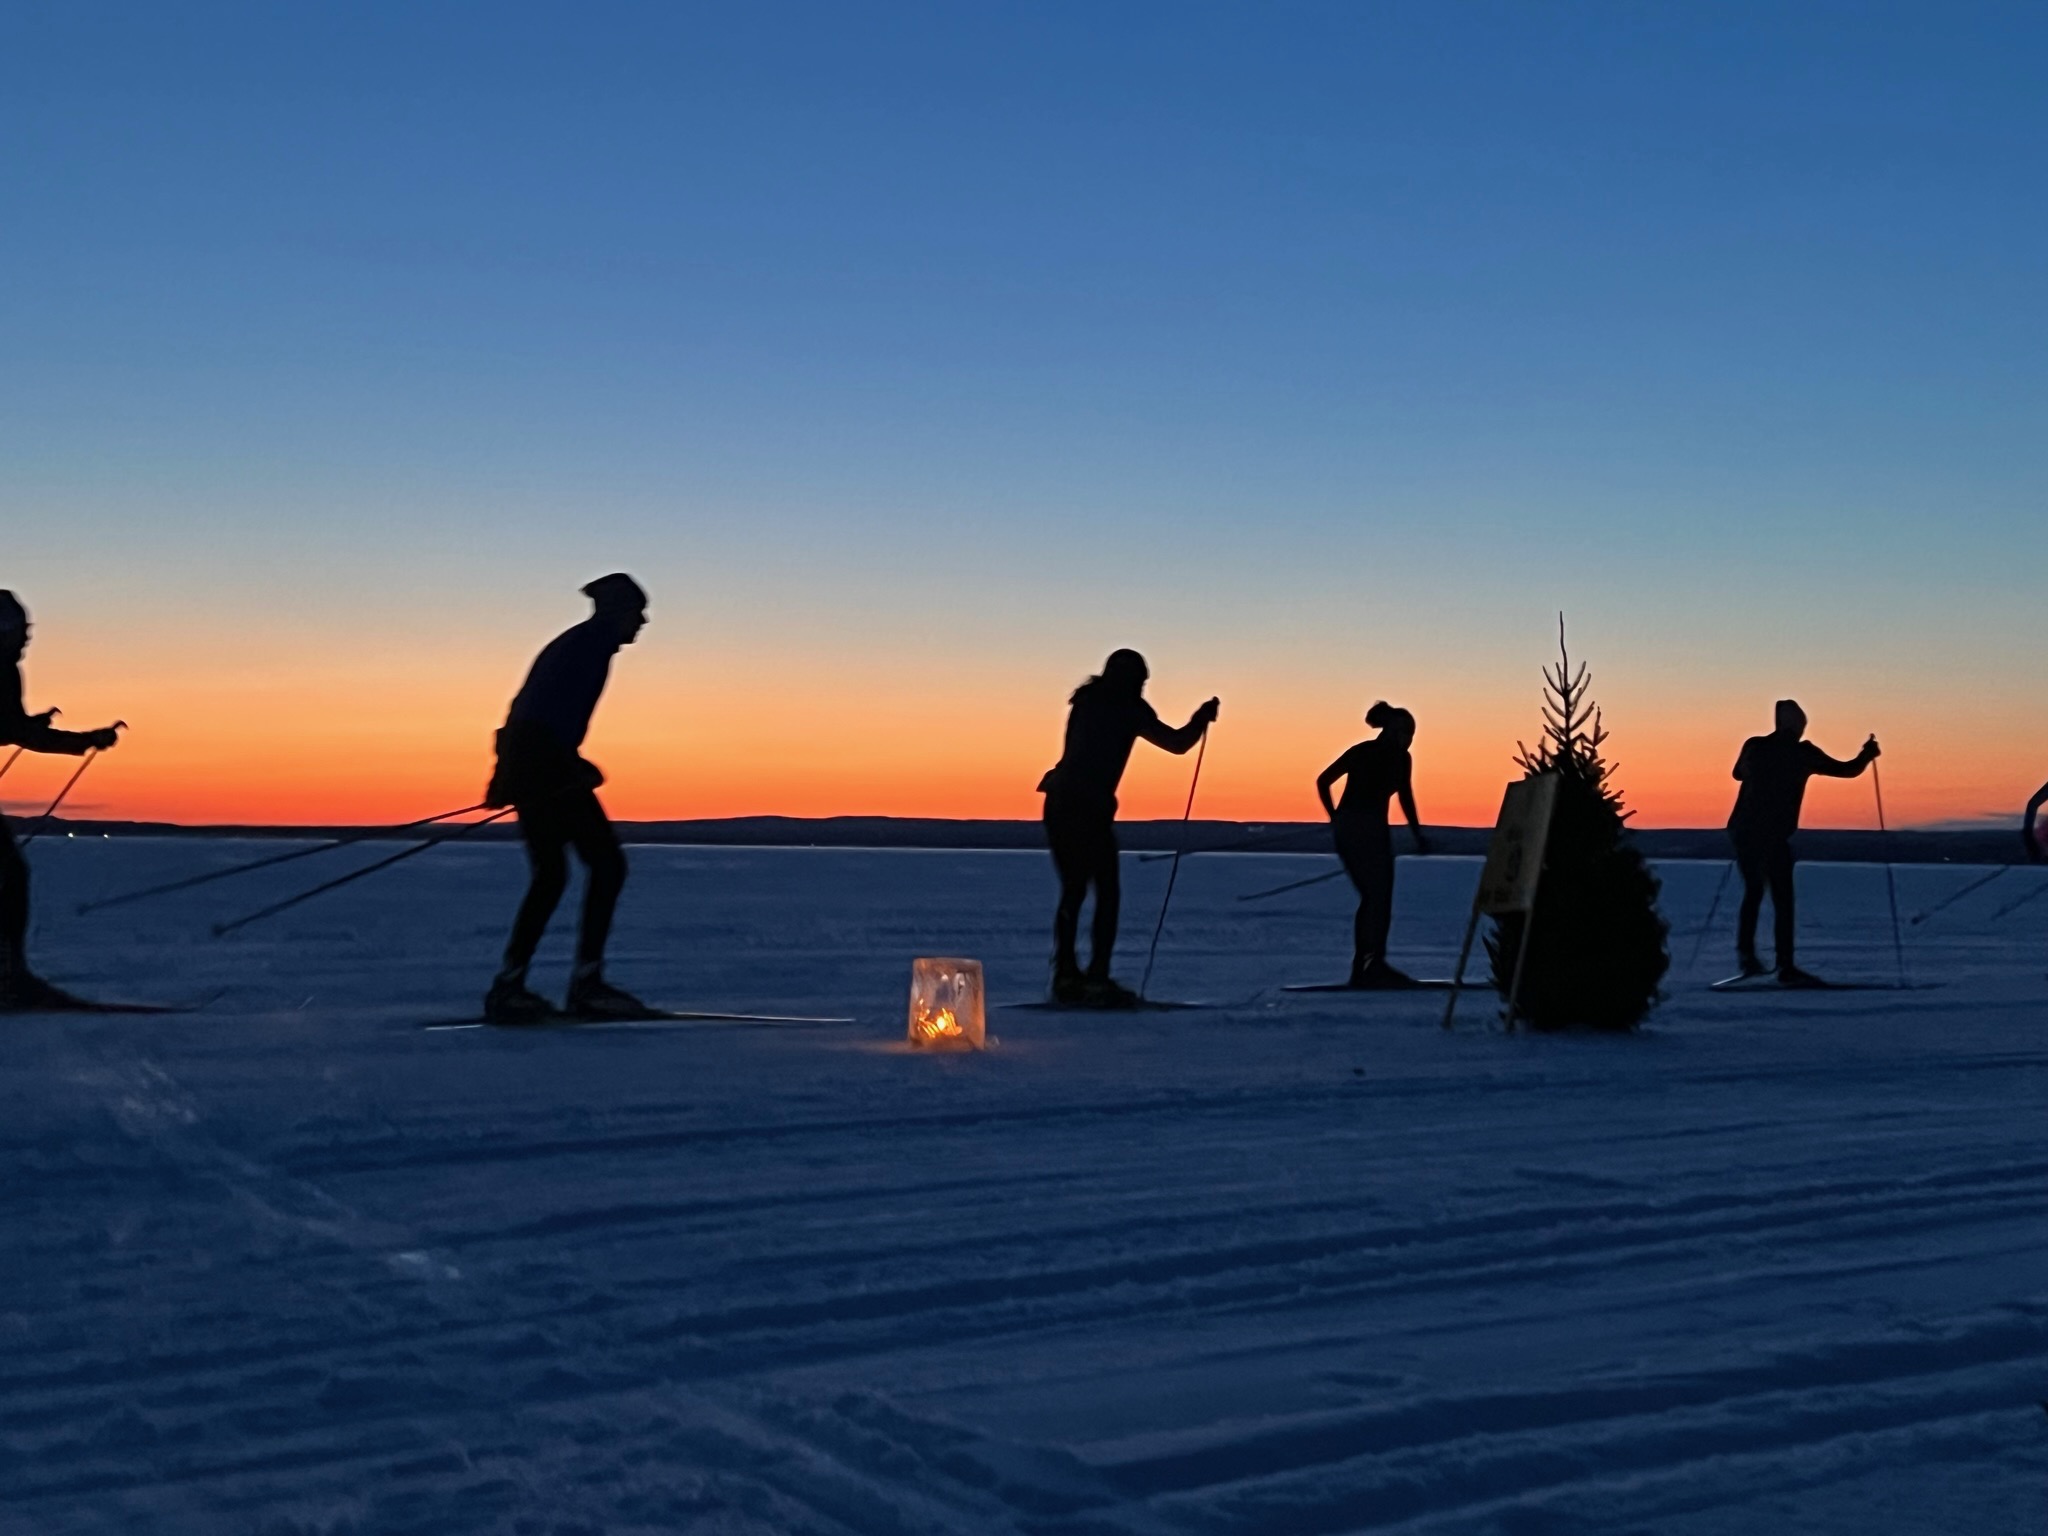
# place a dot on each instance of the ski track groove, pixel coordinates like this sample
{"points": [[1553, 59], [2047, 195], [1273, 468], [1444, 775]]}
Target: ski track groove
{"points": [[672, 1313]]}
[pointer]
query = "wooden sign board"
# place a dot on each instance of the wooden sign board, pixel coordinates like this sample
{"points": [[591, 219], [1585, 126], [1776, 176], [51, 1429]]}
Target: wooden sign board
{"points": [[1514, 859], [1514, 865]]}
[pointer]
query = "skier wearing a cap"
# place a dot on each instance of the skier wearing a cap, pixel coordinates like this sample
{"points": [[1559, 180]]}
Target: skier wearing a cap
{"points": [[542, 774], [1773, 771], [19, 986]]}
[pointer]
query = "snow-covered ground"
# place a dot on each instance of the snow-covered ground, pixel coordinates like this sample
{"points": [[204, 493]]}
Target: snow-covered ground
{"points": [[1294, 1264]]}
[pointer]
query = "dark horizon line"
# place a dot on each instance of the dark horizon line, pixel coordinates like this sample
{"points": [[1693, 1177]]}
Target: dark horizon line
{"points": [[1982, 845]]}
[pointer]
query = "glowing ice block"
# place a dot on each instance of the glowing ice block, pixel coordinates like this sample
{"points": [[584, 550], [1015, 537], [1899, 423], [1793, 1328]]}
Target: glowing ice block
{"points": [[947, 1012]]}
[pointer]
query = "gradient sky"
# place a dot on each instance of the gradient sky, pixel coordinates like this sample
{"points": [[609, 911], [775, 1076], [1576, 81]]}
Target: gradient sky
{"points": [[913, 356]]}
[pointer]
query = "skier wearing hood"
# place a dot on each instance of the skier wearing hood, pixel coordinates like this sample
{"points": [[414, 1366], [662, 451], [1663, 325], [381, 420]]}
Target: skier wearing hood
{"points": [[1107, 717], [1773, 771], [19, 986]]}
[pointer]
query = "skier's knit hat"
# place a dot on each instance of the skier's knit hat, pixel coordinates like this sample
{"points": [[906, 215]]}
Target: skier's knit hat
{"points": [[618, 590], [13, 617]]}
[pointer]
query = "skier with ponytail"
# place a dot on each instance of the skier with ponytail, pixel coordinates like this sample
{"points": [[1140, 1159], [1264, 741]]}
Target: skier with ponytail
{"points": [[1373, 772]]}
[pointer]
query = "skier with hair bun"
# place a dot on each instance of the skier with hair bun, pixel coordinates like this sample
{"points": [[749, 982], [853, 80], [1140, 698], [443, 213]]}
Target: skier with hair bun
{"points": [[543, 775], [1373, 772], [1107, 717], [21, 988]]}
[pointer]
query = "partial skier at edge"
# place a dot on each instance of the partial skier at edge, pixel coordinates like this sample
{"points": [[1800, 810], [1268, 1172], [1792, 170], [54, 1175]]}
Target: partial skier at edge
{"points": [[1107, 717], [21, 988], [543, 775], [1373, 772], [1773, 771], [2028, 835]]}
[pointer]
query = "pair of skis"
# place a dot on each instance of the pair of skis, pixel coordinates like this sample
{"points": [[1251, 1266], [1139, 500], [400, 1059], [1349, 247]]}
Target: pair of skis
{"points": [[1767, 981], [652, 1018]]}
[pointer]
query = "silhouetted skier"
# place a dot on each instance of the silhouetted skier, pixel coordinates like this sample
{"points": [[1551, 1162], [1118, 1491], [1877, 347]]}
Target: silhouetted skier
{"points": [[1773, 771], [1373, 772], [541, 773], [2027, 834], [1108, 716], [19, 986]]}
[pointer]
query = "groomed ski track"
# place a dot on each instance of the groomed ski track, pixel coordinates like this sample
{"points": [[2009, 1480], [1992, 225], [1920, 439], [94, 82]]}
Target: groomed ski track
{"points": [[291, 1265]]}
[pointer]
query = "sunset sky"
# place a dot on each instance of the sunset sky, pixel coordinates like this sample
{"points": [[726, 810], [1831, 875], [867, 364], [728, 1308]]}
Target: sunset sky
{"points": [[914, 356]]}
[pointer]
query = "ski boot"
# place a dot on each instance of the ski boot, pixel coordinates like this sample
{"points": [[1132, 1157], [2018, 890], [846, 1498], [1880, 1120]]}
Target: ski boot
{"points": [[1069, 986], [1789, 975], [1107, 992], [1747, 965], [510, 1001], [25, 992], [593, 998]]}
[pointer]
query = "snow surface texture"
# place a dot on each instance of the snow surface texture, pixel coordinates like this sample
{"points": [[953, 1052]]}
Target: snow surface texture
{"points": [[1298, 1264]]}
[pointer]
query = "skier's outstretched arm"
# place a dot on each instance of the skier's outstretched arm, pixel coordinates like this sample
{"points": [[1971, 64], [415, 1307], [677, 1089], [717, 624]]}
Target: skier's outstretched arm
{"points": [[1839, 768], [1163, 736], [37, 734]]}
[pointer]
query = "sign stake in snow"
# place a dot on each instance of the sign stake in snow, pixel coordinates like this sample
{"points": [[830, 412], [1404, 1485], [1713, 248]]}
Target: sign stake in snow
{"points": [[1514, 863], [947, 1007]]}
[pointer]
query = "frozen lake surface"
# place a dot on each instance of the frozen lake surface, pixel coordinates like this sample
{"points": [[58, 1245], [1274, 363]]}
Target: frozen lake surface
{"points": [[1293, 1264]]}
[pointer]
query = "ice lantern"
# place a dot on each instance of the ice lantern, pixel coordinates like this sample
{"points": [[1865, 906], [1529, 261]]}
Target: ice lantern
{"points": [[946, 1005]]}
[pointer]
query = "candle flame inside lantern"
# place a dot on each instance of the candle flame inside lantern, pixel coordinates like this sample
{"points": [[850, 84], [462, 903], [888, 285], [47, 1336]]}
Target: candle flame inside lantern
{"points": [[937, 1023]]}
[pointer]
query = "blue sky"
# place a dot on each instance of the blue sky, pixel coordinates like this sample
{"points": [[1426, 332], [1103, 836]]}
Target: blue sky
{"points": [[1324, 351]]}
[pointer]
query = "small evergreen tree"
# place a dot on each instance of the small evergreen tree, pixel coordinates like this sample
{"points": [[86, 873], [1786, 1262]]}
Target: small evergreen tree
{"points": [[1596, 950]]}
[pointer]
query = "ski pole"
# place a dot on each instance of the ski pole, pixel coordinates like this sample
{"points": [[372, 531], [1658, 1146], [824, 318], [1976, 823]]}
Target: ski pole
{"points": [[1707, 926], [1173, 873], [2019, 901], [1891, 888], [221, 930], [1293, 885], [1955, 896], [1241, 845], [270, 859], [44, 820]]}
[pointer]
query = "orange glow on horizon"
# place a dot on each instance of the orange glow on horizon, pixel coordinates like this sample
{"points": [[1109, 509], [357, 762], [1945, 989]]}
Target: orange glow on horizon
{"points": [[304, 734]]}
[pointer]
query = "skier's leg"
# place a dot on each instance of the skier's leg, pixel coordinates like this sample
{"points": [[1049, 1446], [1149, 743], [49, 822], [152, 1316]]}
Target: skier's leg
{"points": [[1348, 854], [13, 913], [1107, 871], [1784, 905], [1755, 880], [598, 846], [546, 839], [1379, 899], [1073, 872]]}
